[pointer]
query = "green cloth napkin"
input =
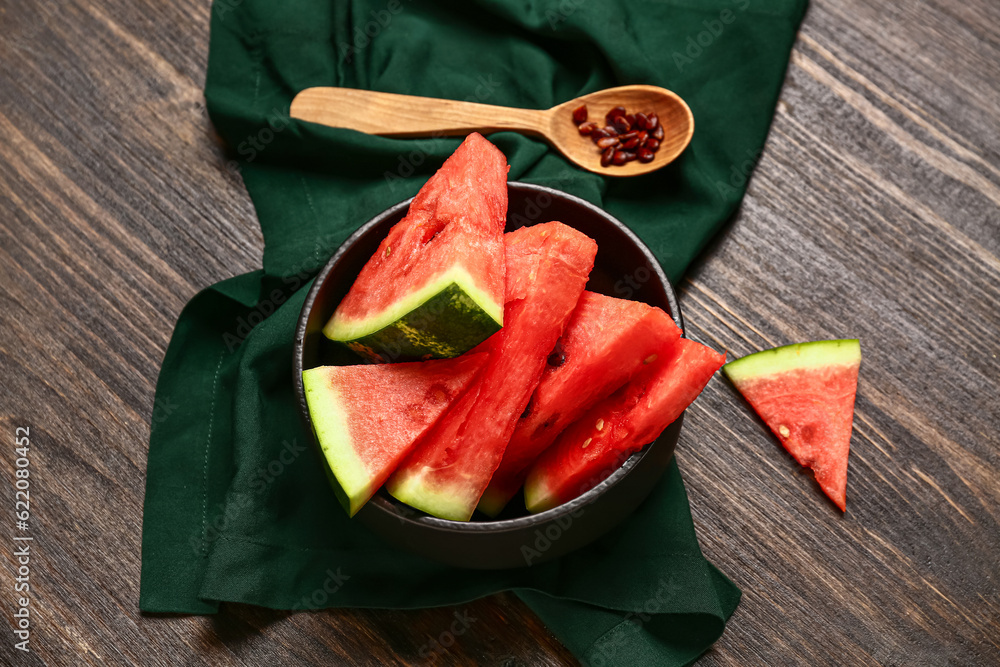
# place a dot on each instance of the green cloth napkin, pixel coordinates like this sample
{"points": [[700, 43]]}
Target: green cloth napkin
{"points": [[237, 507]]}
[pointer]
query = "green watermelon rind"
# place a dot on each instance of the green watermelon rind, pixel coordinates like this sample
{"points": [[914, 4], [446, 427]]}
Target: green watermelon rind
{"points": [[493, 502], [412, 490], [446, 317], [538, 497], [329, 419], [815, 354]]}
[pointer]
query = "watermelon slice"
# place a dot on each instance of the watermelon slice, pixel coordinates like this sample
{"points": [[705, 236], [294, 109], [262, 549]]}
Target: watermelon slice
{"points": [[547, 268], [605, 343], [805, 394], [435, 286], [368, 417], [596, 445]]}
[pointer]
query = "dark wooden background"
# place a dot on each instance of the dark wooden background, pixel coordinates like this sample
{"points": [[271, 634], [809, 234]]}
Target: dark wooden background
{"points": [[874, 213]]}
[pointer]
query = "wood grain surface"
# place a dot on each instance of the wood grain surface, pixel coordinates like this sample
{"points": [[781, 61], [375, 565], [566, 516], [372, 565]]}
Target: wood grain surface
{"points": [[874, 213]]}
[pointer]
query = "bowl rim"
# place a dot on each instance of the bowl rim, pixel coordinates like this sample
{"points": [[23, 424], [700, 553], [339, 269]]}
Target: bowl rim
{"points": [[404, 513]]}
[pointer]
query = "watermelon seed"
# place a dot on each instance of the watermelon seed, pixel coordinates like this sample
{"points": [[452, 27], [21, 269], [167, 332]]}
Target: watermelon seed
{"points": [[783, 430], [600, 424], [587, 441], [607, 157], [650, 359], [622, 125], [614, 113]]}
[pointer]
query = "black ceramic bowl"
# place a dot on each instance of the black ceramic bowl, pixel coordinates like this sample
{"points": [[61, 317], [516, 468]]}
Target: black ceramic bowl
{"points": [[624, 268]]}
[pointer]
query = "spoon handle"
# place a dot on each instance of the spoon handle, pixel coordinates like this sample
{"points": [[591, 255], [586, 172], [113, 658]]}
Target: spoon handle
{"points": [[391, 115]]}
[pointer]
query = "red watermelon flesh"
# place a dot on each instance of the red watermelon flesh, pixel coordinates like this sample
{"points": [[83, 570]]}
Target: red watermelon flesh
{"points": [[805, 394], [605, 343], [596, 445], [547, 268], [435, 286], [368, 417]]}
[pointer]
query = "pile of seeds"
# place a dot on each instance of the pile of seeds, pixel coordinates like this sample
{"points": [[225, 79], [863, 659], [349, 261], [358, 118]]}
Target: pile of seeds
{"points": [[624, 137]]}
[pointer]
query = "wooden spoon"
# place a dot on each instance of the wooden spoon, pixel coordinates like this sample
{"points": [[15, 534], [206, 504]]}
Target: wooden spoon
{"points": [[391, 115]]}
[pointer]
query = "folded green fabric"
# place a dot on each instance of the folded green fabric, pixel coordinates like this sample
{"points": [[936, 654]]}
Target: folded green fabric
{"points": [[237, 507]]}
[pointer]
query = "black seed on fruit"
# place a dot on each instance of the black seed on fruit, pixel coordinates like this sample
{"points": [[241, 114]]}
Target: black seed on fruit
{"points": [[557, 357]]}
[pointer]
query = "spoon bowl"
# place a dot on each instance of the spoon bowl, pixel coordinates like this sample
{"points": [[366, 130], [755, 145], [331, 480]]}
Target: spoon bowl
{"points": [[392, 115], [674, 114]]}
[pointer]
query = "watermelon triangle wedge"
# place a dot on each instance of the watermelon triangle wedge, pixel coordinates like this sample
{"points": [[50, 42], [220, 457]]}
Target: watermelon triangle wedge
{"points": [[435, 286], [368, 417], [805, 394]]}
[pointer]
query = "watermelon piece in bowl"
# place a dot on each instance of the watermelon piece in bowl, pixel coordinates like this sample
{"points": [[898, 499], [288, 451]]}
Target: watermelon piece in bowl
{"points": [[805, 394], [368, 417], [596, 445], [434, 287], [547, 269], [605, 343]]}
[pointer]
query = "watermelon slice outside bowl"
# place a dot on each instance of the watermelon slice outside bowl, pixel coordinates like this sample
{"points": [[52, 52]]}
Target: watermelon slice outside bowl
{"points": [[624, 268]]}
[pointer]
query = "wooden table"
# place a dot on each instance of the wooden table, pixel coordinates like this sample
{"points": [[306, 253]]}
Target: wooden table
{"points": [[874, 213]]}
